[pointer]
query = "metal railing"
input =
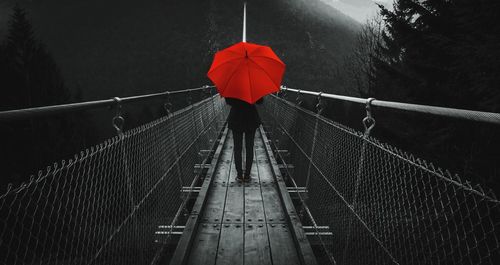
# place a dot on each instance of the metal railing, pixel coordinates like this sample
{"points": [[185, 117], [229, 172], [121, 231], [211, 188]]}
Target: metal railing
{"points": [[64, 108], [105, 205], [472, 115], [382, 205]]}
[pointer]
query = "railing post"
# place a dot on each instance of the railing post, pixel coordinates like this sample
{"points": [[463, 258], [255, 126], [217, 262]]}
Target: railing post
{"points": [[168, 105], [368, 124], [274, 126], [209, 95], [319, 110], [193, 115], [118, 123], [298, 99], [214, 115], [283, 92]]}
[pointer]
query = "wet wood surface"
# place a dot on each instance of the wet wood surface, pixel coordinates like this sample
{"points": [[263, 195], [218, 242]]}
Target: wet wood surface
{"points": [[243, 223]]}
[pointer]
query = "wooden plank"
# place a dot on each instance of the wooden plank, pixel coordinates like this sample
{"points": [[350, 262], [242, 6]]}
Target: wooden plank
{"points": [[234, 208], [283, 249], [257, 249], [230, 251], [265, 175], [254, 209], [272, 205], [304, 249], [255, 181], [222, 173], [270, 197], [183, 248], [214, 208], [204, 250]]}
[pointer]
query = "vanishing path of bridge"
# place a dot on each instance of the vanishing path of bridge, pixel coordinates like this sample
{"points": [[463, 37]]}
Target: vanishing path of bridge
{"points": [[321, 193], [244, 223]]}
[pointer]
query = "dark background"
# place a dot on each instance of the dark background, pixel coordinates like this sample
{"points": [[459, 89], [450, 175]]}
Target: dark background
{"points": [[438, 53]]}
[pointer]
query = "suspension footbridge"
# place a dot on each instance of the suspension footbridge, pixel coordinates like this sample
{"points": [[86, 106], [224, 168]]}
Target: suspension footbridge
{"points": [[321, 193]]}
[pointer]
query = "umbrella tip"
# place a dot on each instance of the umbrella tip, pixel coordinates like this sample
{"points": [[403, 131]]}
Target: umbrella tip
{"points": [[245, 21]]}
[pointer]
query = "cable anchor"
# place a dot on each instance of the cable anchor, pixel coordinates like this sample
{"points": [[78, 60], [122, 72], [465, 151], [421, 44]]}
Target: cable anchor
{"points": [[282, 92], [189, 98], [118, 121], [167, 105], [208, 90], [368, 121], [299, 98], [320, 105]]}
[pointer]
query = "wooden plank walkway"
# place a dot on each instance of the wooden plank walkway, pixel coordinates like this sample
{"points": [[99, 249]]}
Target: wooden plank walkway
{"points": [[243, 223]]}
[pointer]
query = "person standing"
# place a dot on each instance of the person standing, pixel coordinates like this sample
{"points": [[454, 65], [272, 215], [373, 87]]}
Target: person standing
{"points": [[243, 120]]}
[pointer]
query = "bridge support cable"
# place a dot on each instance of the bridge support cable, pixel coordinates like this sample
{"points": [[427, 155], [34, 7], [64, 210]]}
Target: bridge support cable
{"points": [[471, 115], [368, 124], [189, 231], [381, 205], [275, 128], [104, 205]]}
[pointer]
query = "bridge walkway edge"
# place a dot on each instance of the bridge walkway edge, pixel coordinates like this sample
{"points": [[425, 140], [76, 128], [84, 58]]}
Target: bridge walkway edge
{"points": [[243, 223]]}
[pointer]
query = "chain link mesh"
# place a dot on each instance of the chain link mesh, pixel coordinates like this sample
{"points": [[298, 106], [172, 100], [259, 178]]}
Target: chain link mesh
{"points": [[381, 205], [104, 205]]}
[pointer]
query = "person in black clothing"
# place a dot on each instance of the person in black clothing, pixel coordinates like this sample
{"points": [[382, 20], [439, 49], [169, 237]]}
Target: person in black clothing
{"points": [[243, 119]]}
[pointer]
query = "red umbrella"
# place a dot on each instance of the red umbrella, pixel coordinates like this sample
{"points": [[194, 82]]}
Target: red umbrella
{"points": [[246, 71]]}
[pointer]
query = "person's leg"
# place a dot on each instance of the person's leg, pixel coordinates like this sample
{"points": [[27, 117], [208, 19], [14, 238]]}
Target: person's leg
{"points": [[249, 139], [238, 142]]}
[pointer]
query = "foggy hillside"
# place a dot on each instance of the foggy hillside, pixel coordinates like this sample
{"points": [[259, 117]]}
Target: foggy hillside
{"points": [[117, 47]]}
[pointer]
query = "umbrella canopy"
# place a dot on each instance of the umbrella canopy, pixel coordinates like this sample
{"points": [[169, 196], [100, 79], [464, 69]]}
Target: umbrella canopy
{"points": [[246, 71]]}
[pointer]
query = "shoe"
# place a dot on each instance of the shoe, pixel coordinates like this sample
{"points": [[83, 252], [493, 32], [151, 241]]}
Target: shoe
{"points": [[240, 177], [247, 178]]}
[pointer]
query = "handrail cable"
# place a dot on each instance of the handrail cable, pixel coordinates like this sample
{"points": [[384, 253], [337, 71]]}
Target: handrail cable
{"points": [[472, 115], [58, 109]]}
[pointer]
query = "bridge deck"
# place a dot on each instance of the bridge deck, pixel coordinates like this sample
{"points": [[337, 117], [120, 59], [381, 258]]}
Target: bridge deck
{"points": [[244, 223]]}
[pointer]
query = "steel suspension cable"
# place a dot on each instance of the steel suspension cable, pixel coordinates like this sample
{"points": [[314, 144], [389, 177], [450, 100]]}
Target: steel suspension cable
{"points": [[472, 115]]}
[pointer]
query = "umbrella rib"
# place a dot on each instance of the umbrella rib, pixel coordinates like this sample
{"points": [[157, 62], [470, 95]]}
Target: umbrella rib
{"points": [[231, 76], [267, 57], [250, 82], [263, 70], [234, 52], [228, 61]]}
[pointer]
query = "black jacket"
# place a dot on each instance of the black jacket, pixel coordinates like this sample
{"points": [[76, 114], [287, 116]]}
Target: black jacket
{"points": [[243, 116]]}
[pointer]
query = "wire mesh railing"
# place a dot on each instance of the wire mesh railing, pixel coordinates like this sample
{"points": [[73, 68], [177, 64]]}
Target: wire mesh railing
{"points": [[104, 205], [381, 205]]}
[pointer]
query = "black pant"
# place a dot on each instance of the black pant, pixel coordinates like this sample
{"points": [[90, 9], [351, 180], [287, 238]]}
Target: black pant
{"points": [[238, 143]]}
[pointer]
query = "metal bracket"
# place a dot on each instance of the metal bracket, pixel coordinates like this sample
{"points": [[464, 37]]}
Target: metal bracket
{"points": [[168, 105], [299, 98], [208, 90], [282, 92], [320, 104], [118, 121], [368, 121], [189, 98]]}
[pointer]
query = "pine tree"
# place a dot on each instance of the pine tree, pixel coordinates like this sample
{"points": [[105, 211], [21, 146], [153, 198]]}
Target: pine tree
{"points": [[31, 78], [445, 53]]}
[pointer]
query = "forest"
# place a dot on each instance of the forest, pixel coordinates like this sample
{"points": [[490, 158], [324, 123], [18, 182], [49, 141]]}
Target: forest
{"points": [[441, 53], [433, 52]]}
